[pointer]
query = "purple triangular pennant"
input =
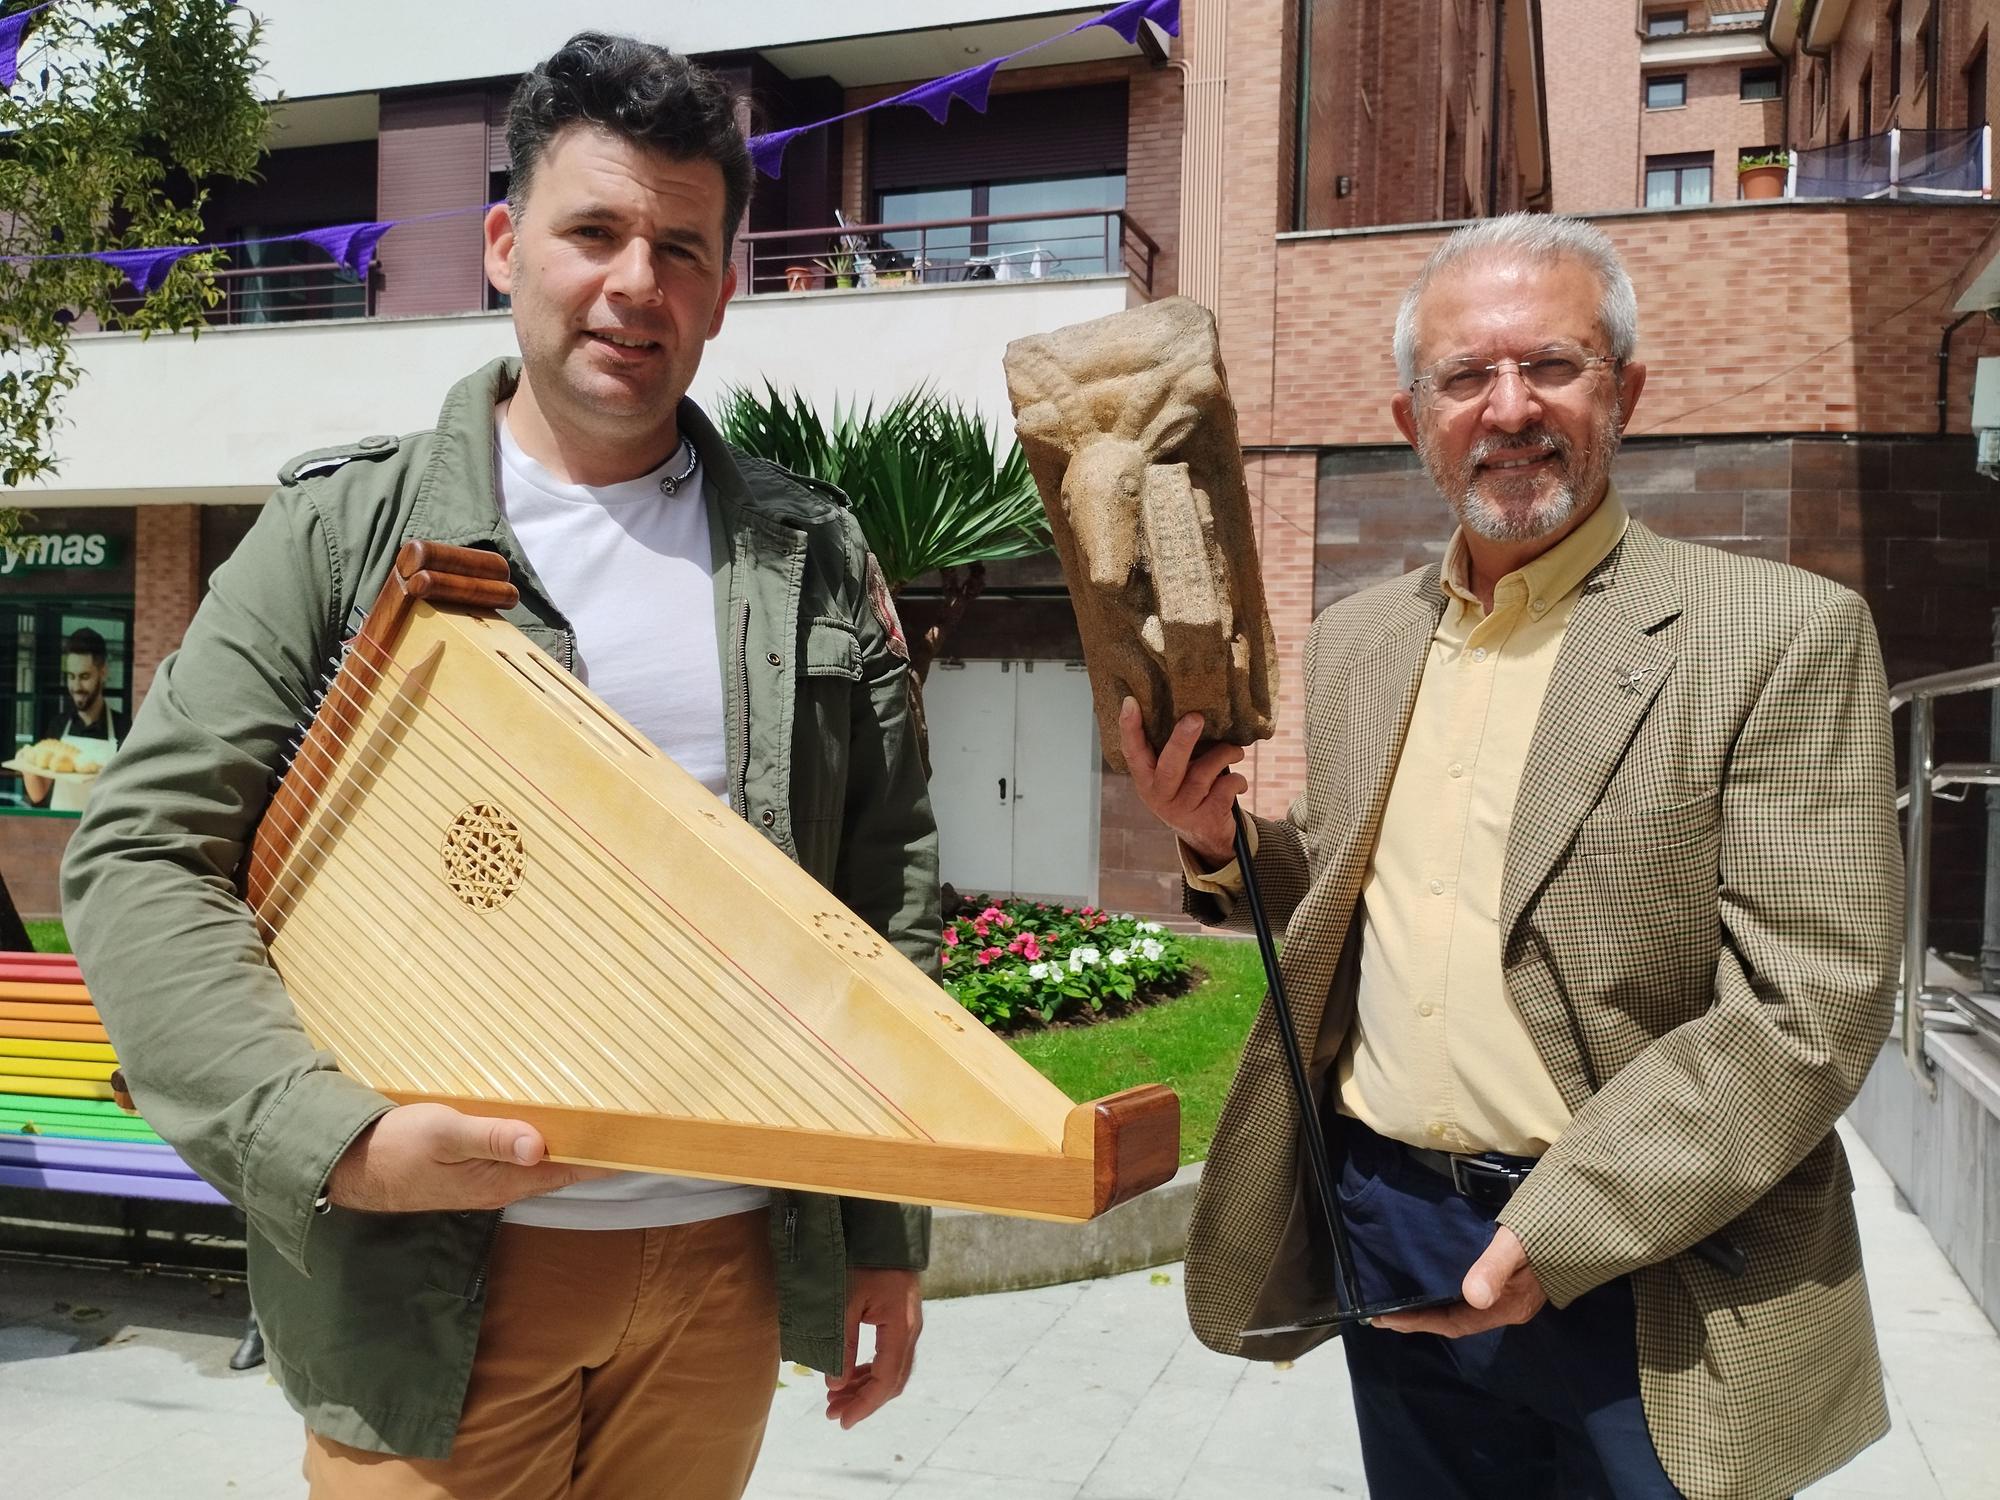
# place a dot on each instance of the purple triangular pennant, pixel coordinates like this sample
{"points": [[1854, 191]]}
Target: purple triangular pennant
{"points": [[12, 29], [146, 269], [934, 98], [353, 245], [768, 151], [1125, 19]]}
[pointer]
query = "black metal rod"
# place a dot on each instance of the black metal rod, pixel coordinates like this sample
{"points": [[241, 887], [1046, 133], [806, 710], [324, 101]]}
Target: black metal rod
{"points": [[1348, 1291]]}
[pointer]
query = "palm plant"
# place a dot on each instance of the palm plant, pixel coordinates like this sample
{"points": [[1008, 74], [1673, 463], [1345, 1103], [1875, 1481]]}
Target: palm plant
{"points": [[929, 485]]}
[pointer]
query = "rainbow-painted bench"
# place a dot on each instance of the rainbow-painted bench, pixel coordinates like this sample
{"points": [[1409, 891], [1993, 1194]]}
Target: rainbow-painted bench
{"points": [[61, 1126]]}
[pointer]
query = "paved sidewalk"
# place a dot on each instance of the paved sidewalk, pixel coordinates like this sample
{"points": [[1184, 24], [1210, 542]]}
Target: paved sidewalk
{"points": [[117, 1386]]}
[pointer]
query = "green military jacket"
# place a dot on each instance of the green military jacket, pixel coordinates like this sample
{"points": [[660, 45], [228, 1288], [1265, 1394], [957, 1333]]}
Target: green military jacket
{"points": [[371, 1320]]}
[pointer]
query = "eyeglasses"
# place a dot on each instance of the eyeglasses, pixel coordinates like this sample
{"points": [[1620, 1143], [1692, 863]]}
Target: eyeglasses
{"points": [[1546, 372]]}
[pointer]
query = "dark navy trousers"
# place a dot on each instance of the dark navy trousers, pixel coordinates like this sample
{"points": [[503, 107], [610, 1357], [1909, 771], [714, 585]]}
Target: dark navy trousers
{"points": [[1548, 1410]]}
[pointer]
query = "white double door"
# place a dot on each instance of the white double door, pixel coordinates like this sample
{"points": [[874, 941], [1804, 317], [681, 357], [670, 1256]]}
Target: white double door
{"points": [[1014, 777]]}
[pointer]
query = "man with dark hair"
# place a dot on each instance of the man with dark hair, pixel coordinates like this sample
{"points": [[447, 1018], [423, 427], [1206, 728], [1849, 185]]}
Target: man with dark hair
{"points": [[453, 1313], [89, 725]]}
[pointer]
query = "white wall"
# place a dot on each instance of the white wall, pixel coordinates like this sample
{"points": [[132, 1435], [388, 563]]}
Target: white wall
{"points": [[212, 419], [319, 47]]}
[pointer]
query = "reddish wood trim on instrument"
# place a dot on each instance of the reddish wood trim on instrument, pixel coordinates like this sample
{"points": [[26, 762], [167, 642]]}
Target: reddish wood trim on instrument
{"points": [[449, 577], [1034, 1184], [1135, 1141]]}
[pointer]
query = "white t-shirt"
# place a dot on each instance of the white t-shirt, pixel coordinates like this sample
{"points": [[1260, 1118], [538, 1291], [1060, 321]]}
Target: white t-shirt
{"points": [[628, 565]]}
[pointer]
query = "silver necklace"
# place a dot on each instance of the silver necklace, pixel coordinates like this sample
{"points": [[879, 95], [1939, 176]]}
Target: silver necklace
{"points": [[672, 482]]}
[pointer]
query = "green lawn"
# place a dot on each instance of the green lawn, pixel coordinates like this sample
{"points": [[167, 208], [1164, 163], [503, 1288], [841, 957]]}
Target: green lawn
{"points": [[1190, 1044], [48, 937]]}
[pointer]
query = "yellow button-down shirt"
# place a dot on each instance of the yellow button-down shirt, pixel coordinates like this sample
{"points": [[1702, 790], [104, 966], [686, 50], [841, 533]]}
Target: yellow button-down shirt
{"points": [[1439, 1054]]}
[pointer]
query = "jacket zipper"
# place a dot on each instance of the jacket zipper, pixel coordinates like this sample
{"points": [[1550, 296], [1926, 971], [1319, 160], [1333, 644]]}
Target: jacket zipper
{"points": [[485, 1259], [742, 633], [792, 1232]]}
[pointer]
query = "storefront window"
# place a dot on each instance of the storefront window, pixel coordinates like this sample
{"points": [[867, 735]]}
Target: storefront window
{"points": [[65, 656]]}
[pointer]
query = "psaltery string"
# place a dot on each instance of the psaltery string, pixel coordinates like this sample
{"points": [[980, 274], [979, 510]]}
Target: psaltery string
{"points": [[388, 788], [343, 708], [630, 985]]}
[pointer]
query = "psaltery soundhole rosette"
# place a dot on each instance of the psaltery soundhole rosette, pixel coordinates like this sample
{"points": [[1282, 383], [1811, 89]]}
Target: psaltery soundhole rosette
{"points": [[848, 935], [484, 857]]}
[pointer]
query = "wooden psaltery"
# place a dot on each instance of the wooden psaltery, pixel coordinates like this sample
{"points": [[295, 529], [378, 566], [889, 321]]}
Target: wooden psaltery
{"points": [[484, 888]]}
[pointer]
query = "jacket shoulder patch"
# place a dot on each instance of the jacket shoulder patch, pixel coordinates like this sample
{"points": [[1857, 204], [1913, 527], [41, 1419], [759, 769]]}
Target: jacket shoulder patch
{"points": [[323, 461]]}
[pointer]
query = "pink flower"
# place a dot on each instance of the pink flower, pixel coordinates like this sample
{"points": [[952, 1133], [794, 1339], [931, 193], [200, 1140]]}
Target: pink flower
{"points": [[951, 937], [1069, 911], [1030, 949], [947, 961], [993, 914], [987, 955], [1089, 911], [979, 926], [1019, 942]]}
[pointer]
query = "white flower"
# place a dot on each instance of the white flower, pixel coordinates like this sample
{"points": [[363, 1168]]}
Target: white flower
{"points": [[1038, 971], [1085, 957], [1120, 958], [1151, 927], [1151, 949]]}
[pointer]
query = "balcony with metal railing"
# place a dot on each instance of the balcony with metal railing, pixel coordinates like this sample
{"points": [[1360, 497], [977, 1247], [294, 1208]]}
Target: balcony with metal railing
{"points": [[1941, 165], [981, 248]]}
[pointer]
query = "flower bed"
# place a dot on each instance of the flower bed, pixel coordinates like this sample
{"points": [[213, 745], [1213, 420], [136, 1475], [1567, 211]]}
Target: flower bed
{"points": [[1017, 964]]}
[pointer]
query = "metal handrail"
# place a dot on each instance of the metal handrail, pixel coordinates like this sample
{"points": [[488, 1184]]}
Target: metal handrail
{"points": [[1926, 778], [1107, 236]]}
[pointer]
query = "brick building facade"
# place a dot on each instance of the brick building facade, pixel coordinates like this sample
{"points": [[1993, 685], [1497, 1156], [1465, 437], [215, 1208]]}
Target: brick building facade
{"points": [[1869, 66]]}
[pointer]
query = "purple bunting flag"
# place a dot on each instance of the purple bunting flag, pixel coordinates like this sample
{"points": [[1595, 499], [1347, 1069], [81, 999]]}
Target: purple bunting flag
{"points": [[1125, 19], [353, 245], [12, 29], [768, 151], [146, 269], [934, 98]]}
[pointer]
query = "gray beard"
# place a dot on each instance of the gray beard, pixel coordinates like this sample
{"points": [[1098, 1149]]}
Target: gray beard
{"points": [[1497, 521]]}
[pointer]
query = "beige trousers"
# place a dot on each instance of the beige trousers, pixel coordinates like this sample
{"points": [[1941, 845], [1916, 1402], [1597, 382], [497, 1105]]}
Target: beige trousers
{"points": [[620, 1364]]}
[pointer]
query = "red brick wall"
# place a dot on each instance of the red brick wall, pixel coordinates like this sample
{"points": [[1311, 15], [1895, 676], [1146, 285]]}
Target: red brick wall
{"points": [[1778, 318], [166, 586], [1153, 167], [1591, 54], [31, 851], [1904, 102], [1715, 121]]}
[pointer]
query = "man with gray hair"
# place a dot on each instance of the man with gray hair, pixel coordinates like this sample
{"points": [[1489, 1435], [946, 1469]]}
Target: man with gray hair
{"points": [[1593, 897]]}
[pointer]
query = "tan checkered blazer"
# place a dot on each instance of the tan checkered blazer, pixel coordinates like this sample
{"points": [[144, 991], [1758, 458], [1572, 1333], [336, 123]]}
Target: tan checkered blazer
{"points": [[1700, 922]]}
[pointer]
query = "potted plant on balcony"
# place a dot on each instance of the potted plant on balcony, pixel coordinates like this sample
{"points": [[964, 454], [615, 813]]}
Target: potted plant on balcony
{"points": [[1763, 175], [802, 278], [840, 266]]}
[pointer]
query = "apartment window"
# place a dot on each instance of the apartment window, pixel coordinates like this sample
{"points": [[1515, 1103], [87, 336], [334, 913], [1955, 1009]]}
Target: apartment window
{"points": [[1975, 88], [1925, 28], [1679, 179], [1868, 100], [1666, 22], [1759, 84], [1056, 244], [1667, 92], [1894, 22]]}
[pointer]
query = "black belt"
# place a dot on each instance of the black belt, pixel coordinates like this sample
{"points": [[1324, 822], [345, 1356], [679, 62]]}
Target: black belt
{"points": [[1490, 1179]]}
